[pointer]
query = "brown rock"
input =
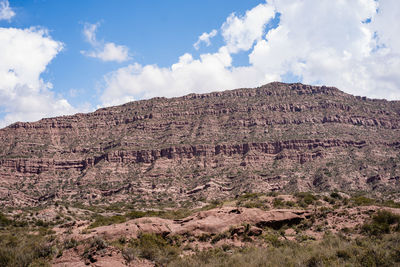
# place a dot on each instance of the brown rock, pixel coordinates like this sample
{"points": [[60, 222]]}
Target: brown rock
{"points": [[187, 144]]}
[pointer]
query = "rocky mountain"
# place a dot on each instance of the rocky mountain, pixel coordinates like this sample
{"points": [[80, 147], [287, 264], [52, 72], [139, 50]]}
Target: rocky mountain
{"points": [[178, 151]]}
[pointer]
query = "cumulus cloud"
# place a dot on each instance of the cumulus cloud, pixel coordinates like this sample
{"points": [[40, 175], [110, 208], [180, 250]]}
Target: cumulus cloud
{"points": [[137, 81], [351, 45], [6, 12], [334, 46], [104, 51], [24, 95], [240, 33], [205, 38]]}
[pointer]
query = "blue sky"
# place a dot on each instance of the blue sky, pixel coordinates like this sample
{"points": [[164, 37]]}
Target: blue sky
{"points": [[156, 32], [61, 57]]}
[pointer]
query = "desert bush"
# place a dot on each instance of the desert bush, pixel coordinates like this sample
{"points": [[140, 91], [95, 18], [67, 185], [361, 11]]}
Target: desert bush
{"points": [[331, 251], [130, 254], [98, 243], [362, 201], [22, 249], [336, 195], [106, 220], [219, 237], [305, 198], [278, 202], [70, 243], [272, 239], [136, 214], [4, 221], [381, 223], [167, 214], [391, 203], [155, 248], [249, 196], [204, 238], [254, 204]]}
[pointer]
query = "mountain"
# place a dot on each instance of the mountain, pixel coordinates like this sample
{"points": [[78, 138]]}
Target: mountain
{"points": [[178, 151]]}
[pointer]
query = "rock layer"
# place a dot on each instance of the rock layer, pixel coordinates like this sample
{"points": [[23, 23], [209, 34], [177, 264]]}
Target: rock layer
{"points": [[204, 146]]}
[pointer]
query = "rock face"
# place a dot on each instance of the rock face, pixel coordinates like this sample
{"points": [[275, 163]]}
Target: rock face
{"points": [[212, 221], [203, 146]]}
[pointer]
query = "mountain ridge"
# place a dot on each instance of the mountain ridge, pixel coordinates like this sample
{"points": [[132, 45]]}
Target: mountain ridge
{"points": [[202, 95], [204, 146]]}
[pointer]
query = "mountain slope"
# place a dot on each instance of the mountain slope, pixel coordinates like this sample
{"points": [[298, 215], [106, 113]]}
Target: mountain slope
{"points": [[290, 137]]}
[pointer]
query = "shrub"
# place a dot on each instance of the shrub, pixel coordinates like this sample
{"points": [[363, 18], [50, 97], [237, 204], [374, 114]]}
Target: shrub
{"points": [[4, 221], [21, 249], [381, 223], [384, 216], [273, 239], [306, 197], [278, 202], [204, 238], [331, 251], [218, 237], [135, 214], [129, 254], [98, 243], [102, 220], [70, 243], [155, 248], [363, 201]]}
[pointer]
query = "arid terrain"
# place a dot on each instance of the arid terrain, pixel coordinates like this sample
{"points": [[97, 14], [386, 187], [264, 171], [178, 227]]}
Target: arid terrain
{"points": [[183, 151], [279, 175]]}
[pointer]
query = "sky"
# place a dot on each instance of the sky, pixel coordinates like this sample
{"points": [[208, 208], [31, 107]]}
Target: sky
{"points": [[60, 57]]}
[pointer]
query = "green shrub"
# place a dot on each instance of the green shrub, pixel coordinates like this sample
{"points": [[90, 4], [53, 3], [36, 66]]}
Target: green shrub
{"points": [[155, 248], [204, 237], [273, 239], [22, 249], [384, 216], [363, 201], [249, 196], [391, 203], [103, 220], [336, 195], [278, 202], [218, 237], [129, 254], [306, 197], [4, 221], [70, 243], [98, 243], [381, 223], [136, 214], [331, 251], [168, 214]]}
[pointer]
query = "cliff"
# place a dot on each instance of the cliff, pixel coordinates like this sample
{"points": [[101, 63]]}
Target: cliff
{"points": [[289, 137]]}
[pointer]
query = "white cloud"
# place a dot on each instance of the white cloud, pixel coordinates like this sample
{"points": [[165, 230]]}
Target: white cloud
{"points": [[333, 46], [6, 12], [110, 52], [210, 72], [322, 42], [104, 51], [205, 38], [385, 23], [89, 31], [25, 54], [240, 33]]}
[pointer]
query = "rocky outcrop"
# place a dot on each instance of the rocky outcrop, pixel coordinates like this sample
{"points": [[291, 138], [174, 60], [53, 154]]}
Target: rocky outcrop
{"points": [[311, 137], [212, 221], [37, 166]]}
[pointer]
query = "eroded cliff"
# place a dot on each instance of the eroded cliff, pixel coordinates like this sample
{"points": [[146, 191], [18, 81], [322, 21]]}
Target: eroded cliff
{"points": [[203, 146]]}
